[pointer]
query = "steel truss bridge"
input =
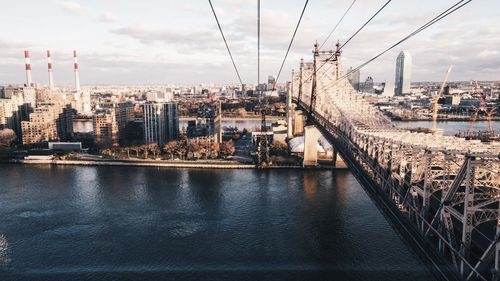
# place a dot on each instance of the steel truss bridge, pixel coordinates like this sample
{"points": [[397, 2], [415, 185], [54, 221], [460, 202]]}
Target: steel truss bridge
{"points": [[442, 192]]}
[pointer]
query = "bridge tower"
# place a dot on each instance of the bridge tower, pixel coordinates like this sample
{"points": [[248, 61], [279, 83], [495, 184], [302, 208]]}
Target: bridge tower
{"points": [[312, 105], [299, 97], [289, 119]]}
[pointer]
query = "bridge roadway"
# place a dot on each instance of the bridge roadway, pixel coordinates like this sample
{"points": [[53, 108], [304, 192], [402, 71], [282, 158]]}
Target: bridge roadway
{"points": [[426, 190], [442, 192]]}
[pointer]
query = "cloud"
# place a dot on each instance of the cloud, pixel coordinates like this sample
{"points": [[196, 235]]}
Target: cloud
{"points": [[72, 7], [108, 18], [191, 38], [136, 41]]}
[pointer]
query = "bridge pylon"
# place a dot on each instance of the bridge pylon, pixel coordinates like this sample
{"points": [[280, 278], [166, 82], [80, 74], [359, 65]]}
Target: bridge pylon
{"points": [[311, 136]]}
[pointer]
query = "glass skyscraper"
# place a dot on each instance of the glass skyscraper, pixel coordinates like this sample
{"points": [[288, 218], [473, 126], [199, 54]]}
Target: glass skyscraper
{"points": [[403, 74]]}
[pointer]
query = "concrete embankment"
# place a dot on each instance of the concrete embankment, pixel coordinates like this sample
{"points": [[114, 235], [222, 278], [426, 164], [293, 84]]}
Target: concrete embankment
{"points": [[183, 164], [169, 164]]}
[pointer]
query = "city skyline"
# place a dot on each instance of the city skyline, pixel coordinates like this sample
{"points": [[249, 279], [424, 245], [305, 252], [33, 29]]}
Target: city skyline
{"points": [[179, 42]]}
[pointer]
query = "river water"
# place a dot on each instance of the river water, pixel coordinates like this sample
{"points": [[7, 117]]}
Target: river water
{"points": [[134, 223], [453, 127]]}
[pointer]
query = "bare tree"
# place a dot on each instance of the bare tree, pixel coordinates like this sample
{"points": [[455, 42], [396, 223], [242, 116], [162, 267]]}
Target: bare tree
{"points": [[7, 136], [226, 148]]}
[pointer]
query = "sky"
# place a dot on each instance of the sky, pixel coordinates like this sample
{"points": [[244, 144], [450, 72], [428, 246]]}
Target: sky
{"points": [[178, 42]]}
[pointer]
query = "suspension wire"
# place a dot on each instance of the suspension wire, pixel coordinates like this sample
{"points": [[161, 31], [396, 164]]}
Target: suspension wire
{"points": [[338, 23], [352, 36], [366, 23], [290, 45], [258, 47], [436, 19], [225, 42], [439, 17]]}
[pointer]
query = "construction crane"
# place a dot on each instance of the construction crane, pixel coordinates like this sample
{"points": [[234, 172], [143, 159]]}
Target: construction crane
{"points": [[483, 106], [436, 99]]}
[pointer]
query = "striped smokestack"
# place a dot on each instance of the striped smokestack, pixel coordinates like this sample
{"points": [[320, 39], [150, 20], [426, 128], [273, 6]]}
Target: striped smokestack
{"points": [[77, 76], [29, 81], [49, 67]]}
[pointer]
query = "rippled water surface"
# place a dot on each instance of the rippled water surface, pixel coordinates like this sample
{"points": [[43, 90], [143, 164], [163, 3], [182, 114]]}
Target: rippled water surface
{"points": [[130, 223]]}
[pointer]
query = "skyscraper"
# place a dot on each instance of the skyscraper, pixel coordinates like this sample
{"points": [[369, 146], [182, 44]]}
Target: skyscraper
{"points": [[161, 122], [354, 78], [403, 74]]}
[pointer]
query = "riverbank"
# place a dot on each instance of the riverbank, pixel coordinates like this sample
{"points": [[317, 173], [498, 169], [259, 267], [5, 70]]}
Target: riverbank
{"points": [[140, 163], [207, 164]]}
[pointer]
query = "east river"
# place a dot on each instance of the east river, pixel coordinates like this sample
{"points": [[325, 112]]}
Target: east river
{"points": [[131, 223]]}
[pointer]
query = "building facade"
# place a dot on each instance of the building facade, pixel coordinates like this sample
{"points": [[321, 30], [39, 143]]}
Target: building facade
{"points": [[124, 114], [41, 126], [367, 86], [403, 74], [161, 122], [65, 123], [354, 78], [105, 128]]}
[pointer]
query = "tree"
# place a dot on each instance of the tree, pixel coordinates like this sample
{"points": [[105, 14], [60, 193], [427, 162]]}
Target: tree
{"points": [[7, 136], [136, 149], [226, 149], [279, 148], [146, 150], [169, 148], [155, 149]]}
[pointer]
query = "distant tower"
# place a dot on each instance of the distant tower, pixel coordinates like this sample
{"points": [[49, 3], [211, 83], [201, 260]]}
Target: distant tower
{"points": [[49, 67], [403, 74], [353, 78], [29, 80]]}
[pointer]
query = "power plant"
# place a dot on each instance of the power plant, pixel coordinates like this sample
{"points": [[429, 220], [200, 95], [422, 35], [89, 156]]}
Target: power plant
{"points": [[81, 99]]}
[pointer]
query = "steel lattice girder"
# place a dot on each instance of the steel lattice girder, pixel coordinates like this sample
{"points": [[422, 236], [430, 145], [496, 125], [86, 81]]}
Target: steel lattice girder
{"points": [[464, 172]]}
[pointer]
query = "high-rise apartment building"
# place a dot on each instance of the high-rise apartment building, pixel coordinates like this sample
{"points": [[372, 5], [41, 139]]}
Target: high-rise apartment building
{"points": [[161, 122], [41, 126], [65, 123], [403, 74], [16, 103], [105, 128], [124, 113]]}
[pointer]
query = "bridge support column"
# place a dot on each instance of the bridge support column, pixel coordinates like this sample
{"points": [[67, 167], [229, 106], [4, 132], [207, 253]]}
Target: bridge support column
{"points": [[298, 123], [334, 158], [311, 136]]}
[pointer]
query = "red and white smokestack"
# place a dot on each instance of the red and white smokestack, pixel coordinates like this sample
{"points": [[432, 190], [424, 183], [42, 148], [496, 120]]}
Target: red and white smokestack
{"points": [[29, 81], [77, 76], [49, 67]]}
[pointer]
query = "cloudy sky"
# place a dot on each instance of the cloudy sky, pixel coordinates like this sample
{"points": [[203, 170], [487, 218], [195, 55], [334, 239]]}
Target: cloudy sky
{"points": [[167, 41]]}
